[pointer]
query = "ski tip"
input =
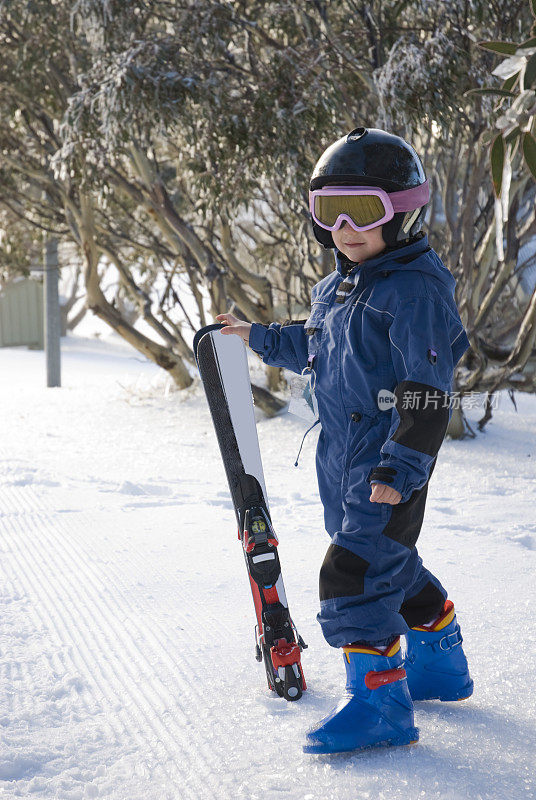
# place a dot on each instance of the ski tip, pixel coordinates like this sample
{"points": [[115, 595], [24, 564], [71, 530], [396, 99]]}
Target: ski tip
{"points": [[202, 332]]}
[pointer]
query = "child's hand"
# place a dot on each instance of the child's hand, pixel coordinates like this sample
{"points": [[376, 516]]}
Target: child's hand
{"points": [[381, 493], [234, 325]]}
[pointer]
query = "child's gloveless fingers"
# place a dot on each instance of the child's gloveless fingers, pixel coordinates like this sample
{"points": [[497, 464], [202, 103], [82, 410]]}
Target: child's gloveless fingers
{"points": [[232, 329], [230, 319], [384, 494], [233, 325]]}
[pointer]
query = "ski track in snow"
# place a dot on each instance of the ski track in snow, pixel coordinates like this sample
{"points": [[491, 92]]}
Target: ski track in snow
{"points": [[126, 637], [87, 619]]}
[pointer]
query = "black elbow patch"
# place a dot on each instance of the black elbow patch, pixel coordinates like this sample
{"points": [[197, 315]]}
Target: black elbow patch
{"points": [[342, 573], [424, 416]]}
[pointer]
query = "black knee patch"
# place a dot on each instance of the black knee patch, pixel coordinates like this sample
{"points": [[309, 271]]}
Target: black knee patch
{"points": [[424, 606], [342, 573], [406, 518]]}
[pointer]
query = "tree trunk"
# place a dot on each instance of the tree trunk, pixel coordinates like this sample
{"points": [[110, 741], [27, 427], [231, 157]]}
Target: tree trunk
{"points": [[74, 321], [456, 428], [162, 356], [274, 378], [266, 401]]}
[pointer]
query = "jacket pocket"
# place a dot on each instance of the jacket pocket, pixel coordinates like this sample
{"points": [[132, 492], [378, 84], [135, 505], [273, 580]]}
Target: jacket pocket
{"points": [[314, 327]]}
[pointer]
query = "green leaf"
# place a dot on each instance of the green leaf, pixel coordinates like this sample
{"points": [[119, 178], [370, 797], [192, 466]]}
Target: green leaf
{"points": [[501, 92], [528, 43], [497, 163], [533, 7], [530, 72], [529, 152], [505, 48], [510, 82]]}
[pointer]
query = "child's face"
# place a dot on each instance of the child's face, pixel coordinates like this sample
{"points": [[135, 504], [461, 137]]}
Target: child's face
{"points": [[358, 245]]}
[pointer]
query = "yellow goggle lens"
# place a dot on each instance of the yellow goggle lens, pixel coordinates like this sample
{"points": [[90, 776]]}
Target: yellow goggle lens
{"points": [[363, 209]]}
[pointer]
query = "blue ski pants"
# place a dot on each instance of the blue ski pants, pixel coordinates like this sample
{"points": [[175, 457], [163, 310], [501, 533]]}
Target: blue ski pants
{"points": [[373, 585]]}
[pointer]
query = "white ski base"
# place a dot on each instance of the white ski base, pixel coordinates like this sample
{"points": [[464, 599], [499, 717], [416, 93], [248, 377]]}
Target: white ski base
{"points": [[232, 358]]}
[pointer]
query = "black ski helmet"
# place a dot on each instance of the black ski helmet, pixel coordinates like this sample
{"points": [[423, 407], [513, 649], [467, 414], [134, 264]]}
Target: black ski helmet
{"points": [[372, 157]]}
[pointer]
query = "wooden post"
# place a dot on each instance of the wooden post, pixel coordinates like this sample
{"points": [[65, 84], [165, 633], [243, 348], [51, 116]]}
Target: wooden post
{"points": [[52, 312]]}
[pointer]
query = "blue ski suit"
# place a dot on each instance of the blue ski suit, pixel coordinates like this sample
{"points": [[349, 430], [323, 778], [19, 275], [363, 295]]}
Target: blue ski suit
{"points": [[390, 323]]}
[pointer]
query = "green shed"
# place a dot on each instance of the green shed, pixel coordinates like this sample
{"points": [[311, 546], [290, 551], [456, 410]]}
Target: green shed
{"points": [[21, 313]]}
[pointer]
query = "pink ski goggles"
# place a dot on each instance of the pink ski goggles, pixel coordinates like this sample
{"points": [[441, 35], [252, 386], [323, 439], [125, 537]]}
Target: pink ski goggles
{"points": [[363, 207]]}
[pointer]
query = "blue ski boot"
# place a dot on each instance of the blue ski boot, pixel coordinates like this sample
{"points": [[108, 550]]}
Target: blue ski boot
{"points": [[435, 663], [376, 708]]}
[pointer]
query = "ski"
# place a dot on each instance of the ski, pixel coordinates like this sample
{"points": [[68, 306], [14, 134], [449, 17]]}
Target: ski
{"points": [[223, 366]]}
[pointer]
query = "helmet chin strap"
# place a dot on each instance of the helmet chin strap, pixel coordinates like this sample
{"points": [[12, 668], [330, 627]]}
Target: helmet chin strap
{"points": [[347, 264]]}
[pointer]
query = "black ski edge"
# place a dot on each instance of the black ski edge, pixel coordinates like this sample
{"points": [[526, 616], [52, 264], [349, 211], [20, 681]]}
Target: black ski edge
{"points": [[201, 332], [246, 491]]}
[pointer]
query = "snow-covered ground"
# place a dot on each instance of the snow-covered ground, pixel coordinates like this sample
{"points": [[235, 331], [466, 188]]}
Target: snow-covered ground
{"points": [[126, 627]]}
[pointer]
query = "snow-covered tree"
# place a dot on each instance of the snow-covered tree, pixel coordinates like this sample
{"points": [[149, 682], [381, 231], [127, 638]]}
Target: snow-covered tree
{"points": [[149, 133], [424, 85], [513, 170], [42, 57], [175, 142]]}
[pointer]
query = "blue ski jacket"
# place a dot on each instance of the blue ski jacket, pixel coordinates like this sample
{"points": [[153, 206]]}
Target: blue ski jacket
{"points": [[383, 341]]}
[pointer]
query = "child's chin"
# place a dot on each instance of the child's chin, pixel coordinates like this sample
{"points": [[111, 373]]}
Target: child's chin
{"points": [[356, 253]]}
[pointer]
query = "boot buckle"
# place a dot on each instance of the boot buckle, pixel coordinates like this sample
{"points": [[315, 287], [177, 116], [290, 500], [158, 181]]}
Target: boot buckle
{"points": [[373, 680]]}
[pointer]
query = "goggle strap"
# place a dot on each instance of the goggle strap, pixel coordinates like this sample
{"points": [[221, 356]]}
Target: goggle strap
{"points": [[410, 199], [405, 200]]}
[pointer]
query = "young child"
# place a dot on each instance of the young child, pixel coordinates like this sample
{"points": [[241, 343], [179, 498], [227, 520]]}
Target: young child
{"points": [[383, 338]]}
